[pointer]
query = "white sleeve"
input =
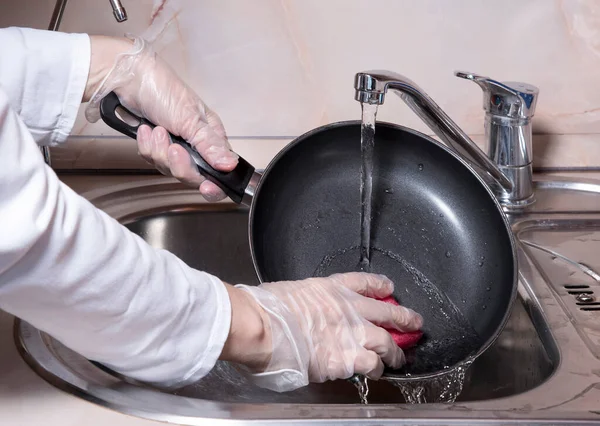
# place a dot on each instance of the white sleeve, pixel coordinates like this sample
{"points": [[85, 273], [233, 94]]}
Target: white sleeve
{"points": [[44, 74], [74, 272]]}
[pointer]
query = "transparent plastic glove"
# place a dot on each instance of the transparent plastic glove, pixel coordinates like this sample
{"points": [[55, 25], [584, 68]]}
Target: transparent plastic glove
{"points": [[329, 328], [147, 86]]}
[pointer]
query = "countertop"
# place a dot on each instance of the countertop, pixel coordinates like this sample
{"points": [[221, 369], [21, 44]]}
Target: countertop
{"points": [[26, 399]]}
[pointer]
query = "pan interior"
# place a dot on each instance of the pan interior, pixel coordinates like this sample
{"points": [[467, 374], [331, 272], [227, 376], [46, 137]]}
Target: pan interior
{"points": [[436, 232]]}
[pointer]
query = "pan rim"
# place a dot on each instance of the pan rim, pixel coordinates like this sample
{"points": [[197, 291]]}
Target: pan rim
{"points": [[463, 162]]}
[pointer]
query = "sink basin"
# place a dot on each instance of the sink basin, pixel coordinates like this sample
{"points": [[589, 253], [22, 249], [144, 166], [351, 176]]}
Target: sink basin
{"points": [[545, 365], [518, 361]]}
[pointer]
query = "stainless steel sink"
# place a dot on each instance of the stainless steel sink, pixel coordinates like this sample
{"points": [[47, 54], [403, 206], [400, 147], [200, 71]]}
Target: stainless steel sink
{"points": [[545, 366]]}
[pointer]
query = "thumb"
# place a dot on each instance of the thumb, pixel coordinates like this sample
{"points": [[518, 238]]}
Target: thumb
{"points": [[210, 140]]}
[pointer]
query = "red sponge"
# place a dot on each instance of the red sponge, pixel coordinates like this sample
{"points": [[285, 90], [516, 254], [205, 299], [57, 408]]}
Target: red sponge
{"points": [[404, 340]]}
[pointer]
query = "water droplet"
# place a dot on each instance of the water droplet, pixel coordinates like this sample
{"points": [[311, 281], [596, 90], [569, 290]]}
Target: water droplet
{"points": [[441, 215], [361, 383], [423, 230], [488, 288], [482, 258], [484, 307], [389, 191], [480, 264], [443, 388], [421, 167], [448, 254]]}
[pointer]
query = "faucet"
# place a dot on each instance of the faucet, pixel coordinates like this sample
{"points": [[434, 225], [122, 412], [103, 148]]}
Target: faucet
{"points": [[509, 107], [118, 10]]}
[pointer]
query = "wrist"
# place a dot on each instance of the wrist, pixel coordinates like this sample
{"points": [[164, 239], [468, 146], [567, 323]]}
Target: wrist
{"points": [[249, 341], [104, 52]]}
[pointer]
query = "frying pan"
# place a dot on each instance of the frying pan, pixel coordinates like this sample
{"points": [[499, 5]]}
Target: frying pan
{"points": [[437, 230]]}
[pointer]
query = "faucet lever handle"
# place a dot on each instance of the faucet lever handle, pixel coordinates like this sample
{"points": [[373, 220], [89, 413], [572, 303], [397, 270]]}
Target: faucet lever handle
{"points": [[506, 99]]}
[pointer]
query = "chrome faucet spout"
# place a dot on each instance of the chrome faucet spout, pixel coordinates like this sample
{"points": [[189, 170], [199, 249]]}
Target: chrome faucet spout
{"points": [[512, 190], [118, 10]]}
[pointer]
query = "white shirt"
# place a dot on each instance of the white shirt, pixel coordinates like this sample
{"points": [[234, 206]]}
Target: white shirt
{"points": [[67, 267]]}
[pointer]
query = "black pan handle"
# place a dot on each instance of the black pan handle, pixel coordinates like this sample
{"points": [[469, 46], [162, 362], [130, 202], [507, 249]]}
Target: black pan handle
{"points": [[233, 183]]}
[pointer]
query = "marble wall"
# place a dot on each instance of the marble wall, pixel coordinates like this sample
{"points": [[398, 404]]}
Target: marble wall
{"points": [[274, 69]]}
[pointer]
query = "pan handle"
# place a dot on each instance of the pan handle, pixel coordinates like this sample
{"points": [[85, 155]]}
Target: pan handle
{"points": [[234, 183]]}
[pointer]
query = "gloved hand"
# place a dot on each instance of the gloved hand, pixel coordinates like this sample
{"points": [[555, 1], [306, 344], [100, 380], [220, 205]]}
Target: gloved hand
{"points": [[329, 328], [148, 87]]}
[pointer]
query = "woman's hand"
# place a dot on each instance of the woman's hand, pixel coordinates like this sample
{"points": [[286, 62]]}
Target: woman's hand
{"points": [[147, 86], [291, 333]]}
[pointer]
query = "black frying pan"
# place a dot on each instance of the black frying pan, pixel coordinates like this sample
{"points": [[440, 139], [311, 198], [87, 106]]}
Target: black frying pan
{"points": [[437, 230]]}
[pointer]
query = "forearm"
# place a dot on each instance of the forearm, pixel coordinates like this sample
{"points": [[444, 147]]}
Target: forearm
{"points": [[74, 272], [49, 74], [249, 339], [44, 74], [104, 51]]}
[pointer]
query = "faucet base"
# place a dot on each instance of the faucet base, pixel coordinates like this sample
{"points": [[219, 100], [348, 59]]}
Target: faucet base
{"points": [[521, 194], [517, 206]]}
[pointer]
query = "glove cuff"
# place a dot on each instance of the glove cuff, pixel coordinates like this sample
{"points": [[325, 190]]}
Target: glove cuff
{"points": [[119, 75], [288, 368]]}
